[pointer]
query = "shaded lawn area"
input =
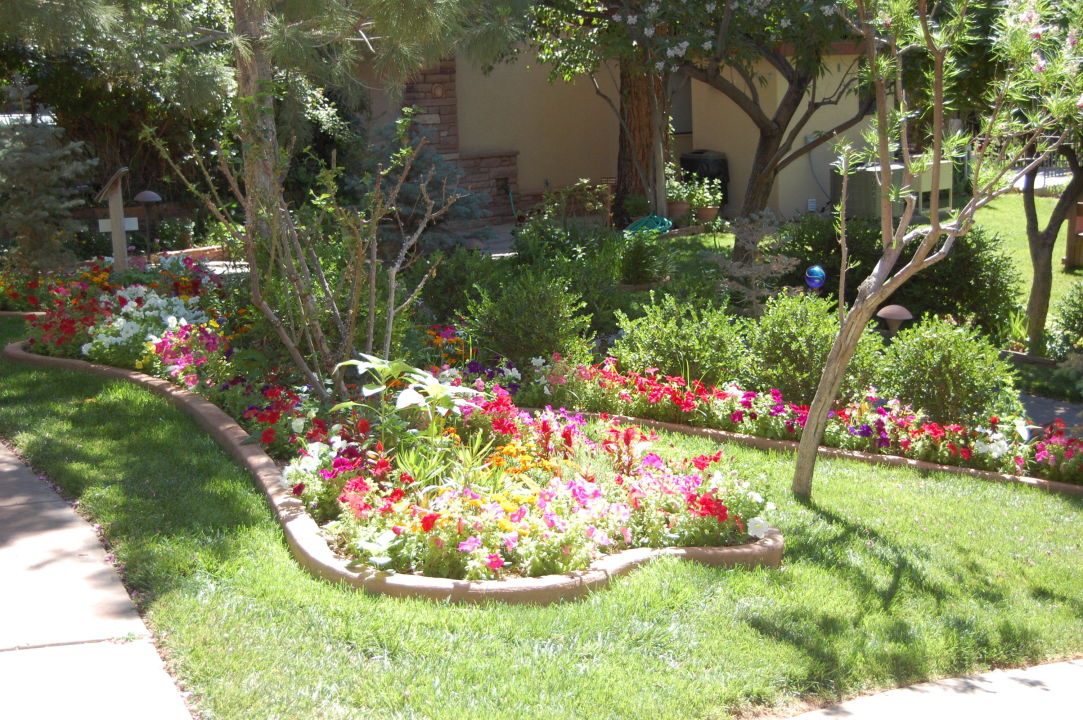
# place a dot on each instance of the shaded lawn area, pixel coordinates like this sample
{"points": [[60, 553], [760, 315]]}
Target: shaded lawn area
{"points": [[1005, 217], [890, 577]]}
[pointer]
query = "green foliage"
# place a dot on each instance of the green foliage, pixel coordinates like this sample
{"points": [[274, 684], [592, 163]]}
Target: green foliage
{"points": [[788, 347], [532, 314], [951, 371], [681, 338], [1069, 315], [645, 259], [461, 272], [38, 175], [977, 280]]}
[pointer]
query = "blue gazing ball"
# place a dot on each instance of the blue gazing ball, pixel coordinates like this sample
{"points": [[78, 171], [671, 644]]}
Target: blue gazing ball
{"points": [[815, 277]]}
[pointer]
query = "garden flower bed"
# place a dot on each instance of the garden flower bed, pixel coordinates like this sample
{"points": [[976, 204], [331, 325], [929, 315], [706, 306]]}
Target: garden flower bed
{"points": [[438, 480], [882, 426], [439, 474]]}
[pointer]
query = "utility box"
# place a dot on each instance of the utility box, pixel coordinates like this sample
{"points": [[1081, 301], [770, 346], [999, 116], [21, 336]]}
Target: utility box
{"points": [[1073, 250]]}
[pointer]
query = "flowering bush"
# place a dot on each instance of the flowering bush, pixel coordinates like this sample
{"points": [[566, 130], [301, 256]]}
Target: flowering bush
{"points": [[139, 317], [184, 277]]}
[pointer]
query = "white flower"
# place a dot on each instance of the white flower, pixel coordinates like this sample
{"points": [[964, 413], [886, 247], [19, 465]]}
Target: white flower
{"points": [[85, 349], [537, 362], [297, 425], [632, 19], [648, 31], [512, 374], [769, 507], [757, 527], [755, 496]]}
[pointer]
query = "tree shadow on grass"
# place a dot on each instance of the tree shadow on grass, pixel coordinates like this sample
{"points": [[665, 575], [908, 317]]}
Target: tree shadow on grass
{"points": [[163, 486], [894, 643]]}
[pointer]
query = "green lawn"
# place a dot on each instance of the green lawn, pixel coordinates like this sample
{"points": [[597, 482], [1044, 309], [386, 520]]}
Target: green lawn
{"points": [[1005, 217], [890, 577]]}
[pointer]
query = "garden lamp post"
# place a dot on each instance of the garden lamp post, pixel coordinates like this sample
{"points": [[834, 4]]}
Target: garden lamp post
{"points": [[894, 315], [146, 198]]}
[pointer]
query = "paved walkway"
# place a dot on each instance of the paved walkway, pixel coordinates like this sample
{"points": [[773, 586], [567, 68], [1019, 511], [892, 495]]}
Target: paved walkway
{"points": [[1044, 411], [71, 643], [1052, 691]]}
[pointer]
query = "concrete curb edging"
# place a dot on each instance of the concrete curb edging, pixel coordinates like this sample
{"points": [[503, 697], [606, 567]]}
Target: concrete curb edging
{"points": [[311, 550], [1052, 486], [20, 313]]}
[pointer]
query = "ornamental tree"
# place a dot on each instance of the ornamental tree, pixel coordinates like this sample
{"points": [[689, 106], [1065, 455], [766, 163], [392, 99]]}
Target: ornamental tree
{"points": [[731, 46], [1060, 24], [1033, 95]]}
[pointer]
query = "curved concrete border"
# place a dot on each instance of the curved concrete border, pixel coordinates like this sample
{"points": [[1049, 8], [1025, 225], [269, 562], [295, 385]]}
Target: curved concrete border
{"points": [[311, 550], [895, 460]]}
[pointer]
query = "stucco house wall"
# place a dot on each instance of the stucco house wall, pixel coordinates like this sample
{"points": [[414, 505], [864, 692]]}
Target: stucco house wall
{"points": [[515, 134]]}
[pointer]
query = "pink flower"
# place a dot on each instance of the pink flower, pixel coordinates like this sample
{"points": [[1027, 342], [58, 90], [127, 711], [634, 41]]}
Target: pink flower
{"points": [[494, 561], [470, 544]]}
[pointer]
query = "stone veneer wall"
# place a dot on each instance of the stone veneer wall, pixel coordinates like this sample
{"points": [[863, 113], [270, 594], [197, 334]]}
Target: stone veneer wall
{"points": [[492, 173]]}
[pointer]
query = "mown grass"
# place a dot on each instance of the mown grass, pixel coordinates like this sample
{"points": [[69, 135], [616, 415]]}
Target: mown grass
{"points": [[890, 577], [1005, 217]]}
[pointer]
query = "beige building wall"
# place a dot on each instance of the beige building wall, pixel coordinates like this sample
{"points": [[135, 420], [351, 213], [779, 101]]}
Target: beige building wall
{"points": [[563, 131], [720, 125]]}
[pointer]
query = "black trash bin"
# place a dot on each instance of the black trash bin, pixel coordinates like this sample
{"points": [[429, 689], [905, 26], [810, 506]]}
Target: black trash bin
{"points": [[708, 164]]}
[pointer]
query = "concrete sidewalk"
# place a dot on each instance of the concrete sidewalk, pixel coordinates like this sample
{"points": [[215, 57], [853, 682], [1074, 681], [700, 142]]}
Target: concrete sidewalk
{"points": [[1052, 691], [71, 643]]}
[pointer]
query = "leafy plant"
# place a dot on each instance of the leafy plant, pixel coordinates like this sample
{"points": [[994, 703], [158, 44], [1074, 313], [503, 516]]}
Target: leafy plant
{"points": [[645, 259], [682, 339], [977, 280], [532, 314], [788, 345], [951, 371]]}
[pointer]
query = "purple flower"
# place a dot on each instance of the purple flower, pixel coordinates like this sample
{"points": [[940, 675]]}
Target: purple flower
{"points": [[470, 544]]}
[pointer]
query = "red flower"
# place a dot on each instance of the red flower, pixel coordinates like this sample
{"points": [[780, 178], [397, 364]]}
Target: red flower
{"points": [[298, 489], [429, 521], [267, 436], [363, 426]]}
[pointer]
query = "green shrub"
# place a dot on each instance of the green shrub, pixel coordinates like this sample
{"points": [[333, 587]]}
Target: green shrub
{"points": [[951, 371], [681, 338], [976, 281], [645, 259], [458, 278], [789, 343], [531, 314], [1069, 315]]}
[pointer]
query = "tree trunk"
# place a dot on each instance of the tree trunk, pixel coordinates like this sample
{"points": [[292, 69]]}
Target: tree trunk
{"points": [[762, 178], [255, 109], [826, 392], [1041, 260], [758, 190], [659, 131], [1041, 242], [633, 155]]}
